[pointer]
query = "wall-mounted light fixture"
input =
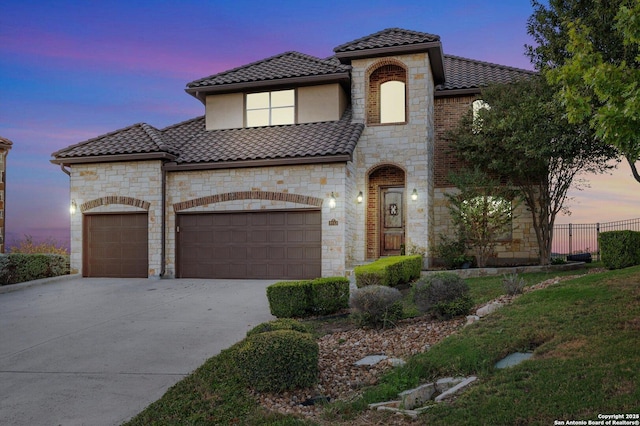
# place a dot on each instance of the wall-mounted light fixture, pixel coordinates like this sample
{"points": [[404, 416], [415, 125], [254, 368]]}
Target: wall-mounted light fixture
{"points": [[414, 194], [360, 197], [332, 201], [74, 207]]}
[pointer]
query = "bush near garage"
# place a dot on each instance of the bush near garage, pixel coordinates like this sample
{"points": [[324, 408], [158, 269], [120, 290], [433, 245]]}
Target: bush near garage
{"points": [[620, 249], [279, 324], [278, 360], [376, 306], [389, 271], [20, 267], [297, 299]]}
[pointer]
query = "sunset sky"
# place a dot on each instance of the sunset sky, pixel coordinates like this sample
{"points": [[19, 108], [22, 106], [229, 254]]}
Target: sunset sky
{"points": [[73, 70]]}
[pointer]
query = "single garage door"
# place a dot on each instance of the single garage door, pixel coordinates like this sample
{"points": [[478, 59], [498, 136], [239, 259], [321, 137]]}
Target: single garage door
{"points": [[116, 245], [258, 245]]}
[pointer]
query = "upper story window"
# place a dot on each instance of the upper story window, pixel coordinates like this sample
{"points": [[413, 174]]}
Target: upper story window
{"points": [[270, 108], [387, 95]]}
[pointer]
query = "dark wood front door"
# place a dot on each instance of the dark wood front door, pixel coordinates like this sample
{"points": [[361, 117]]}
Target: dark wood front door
{"points": [[391, 220]]}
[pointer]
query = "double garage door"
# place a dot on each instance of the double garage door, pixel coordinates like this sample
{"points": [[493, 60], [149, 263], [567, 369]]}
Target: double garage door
{"points": [[255, 245]]}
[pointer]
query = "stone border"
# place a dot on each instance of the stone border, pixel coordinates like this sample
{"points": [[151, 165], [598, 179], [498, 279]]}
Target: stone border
{"points": [[248, 195], [486, 272], [114, 199]]}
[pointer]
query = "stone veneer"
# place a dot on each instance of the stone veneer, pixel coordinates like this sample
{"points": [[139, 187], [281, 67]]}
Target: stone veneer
{"points": [[117, 188], [306, 182], [406, 145]]}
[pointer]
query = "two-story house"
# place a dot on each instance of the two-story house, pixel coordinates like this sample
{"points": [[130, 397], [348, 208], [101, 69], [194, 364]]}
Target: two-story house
{"points": [[300, 167]]}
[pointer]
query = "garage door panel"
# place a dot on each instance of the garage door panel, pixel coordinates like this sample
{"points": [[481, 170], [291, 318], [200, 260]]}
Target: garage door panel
{"points": [[261, 245], [115, 245]]}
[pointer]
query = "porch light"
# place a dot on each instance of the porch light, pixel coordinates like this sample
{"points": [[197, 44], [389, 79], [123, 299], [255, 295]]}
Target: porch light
{"points": [[359, 198], [332, 201], [414, 194], [73, 208]]}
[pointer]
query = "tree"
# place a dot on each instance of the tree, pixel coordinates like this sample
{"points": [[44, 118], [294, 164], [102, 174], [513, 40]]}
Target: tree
{"points": [[591, 49], [482, 209], [525, 138]]}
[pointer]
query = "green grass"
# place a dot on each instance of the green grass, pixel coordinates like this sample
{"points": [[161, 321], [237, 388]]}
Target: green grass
{"points": [[585, 334]]}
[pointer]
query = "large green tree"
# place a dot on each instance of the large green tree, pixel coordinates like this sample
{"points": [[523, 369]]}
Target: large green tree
{"points": [[591, 50], [525, 138]]}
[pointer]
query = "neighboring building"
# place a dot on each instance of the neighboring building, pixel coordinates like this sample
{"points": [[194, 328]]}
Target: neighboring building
{"points": [[5, 146], [299, 167]]}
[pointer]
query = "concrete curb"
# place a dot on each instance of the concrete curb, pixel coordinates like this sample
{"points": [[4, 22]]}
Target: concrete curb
{"points": [[20, 286]]}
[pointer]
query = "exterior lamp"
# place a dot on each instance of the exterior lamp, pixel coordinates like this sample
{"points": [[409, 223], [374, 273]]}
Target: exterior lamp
{"points": [[359, 198], [74, 207], [332, 201], [414, 194]]}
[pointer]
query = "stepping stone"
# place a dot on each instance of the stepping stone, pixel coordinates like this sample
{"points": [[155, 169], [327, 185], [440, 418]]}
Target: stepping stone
{"points": [[371, 360], [513, 359]]}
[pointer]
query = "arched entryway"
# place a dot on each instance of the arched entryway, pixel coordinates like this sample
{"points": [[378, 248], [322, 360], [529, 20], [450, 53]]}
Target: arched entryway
{"points": [[385, 211]]}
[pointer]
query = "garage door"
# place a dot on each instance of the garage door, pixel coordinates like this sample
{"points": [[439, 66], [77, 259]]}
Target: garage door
{"points": [[259, 245], [116, 245]]}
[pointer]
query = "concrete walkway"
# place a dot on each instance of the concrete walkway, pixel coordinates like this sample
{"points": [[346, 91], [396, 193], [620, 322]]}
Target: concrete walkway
{"points": [[88, 351]]}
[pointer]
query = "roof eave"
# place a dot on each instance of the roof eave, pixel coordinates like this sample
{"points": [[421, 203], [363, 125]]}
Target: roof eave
{"points": [[67, 161], [202, 92], [433, 48], [175, 167]]}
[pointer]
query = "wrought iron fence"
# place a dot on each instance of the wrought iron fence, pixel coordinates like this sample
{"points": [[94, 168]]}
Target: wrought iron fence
{"points": [[576, 238]]}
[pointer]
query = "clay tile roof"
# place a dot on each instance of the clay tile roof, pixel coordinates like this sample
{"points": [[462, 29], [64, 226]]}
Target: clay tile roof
{"points": [[463, 73], [285, 65], [391, 37], [135, 139], [273, 142]]}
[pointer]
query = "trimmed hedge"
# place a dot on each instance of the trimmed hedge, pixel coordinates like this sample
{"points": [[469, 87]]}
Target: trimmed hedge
{"points": [[389, 271], [296, 299], [620, 249], [444, 294], [279, 360], [279, 324], [21, 267]]}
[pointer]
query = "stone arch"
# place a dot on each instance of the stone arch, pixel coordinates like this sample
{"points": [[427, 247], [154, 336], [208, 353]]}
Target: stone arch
{"points": [[378, 177], [248, 195], [115, 199]]}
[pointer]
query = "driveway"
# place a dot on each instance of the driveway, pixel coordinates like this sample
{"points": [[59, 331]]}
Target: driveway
{"points": [[91, 351]]}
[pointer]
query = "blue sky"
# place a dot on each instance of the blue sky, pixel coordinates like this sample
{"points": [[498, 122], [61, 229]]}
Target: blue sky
{"points": [[73, 70]]}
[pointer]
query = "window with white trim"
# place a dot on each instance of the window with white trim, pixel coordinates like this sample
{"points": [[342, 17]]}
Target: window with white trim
{"points": [[270, 108]]}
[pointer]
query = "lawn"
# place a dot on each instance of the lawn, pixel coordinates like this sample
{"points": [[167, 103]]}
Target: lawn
{"points": [[585, 334]]}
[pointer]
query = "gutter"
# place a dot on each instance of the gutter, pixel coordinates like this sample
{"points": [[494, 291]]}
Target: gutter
{"points": [[173, 166]]}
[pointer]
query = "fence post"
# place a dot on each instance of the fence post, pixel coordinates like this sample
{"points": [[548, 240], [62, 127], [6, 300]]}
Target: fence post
{"points": [[570, 235], [598, 241]]}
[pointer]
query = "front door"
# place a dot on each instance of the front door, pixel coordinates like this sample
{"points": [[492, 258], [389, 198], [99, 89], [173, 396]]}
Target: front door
{"points": [[392, 220]]}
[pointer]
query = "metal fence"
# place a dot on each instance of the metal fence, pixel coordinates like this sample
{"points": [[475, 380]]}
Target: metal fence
{"points": [[576, 238]]}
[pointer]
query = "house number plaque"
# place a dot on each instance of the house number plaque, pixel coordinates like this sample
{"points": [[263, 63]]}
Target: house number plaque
{"points": [[333, 222]]}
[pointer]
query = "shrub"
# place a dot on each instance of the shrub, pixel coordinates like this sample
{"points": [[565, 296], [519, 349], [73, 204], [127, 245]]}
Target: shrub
{"points": [[620, 249], [288, 299], [278, 360], [279, 324], [376, 305], [389, 271], [451, 252], [48, 246], [19, 267], [513, 284], [329, 295], [443, 294]]}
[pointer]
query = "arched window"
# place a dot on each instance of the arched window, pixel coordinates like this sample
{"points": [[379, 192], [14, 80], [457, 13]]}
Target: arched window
{"points": [[387, 95]]}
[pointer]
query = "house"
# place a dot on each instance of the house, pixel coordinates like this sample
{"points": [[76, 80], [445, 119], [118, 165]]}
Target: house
{"points": [[5, 146], [300, 167]]}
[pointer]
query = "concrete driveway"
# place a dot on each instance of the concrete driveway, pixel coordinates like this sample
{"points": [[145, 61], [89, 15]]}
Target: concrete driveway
{"points": [[89, 351]]}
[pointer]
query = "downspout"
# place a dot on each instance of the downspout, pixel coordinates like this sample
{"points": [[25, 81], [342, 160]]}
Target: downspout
{"points": [[65, 170], [163, 232]]}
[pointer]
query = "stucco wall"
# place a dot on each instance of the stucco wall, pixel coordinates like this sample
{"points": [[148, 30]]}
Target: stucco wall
{"points": [[408, 146], [140, 180], [306, 180]]}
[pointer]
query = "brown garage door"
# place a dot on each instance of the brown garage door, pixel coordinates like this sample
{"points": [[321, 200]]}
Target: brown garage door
{"points": [[260, 245], [115, 245]]}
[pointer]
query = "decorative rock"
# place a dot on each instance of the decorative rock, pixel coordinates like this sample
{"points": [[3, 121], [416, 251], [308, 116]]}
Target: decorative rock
{"points": [[466, 382], [397, 362], [447, 383], [471, 319], [513, 359], [371, 360], [488, 308], [416, 397]]}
